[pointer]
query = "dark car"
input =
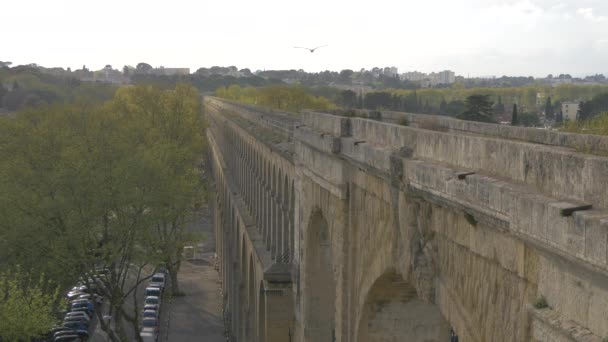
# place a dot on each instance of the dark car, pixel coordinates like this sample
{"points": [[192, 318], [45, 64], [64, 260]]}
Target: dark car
{"points": [[83, 309], [58, 329], [86, 305], [81, 320], [150, 324], [83, 334], [75, 326], [77, 314]]}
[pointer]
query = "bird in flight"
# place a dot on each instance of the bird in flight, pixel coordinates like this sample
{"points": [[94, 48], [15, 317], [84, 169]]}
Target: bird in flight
{"points": [[309, 49]]}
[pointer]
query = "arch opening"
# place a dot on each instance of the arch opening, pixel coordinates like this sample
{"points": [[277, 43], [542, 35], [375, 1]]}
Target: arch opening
{"points": [[392, 311], [319, 283], [262, 314]]}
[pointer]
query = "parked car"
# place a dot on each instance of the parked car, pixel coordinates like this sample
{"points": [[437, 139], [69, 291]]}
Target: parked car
{"points": [[68, 338], [79, 288], [84, 310], [58, 329], [80, 314], [150, 324], [88, 306], [80, 333], [75, 326], [158, 280], [150, 314], [153, 307], [152, 300], [74, 294], [97, 298], [148, 336], [153, 291], [77, 314], [77, 319]]}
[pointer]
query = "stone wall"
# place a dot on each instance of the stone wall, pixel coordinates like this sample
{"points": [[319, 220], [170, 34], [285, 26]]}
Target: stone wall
{"points": [[422, 229]]}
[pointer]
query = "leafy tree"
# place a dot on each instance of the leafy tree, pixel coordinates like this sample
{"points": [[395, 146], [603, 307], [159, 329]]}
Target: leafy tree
{"points": [[26, 306], [378, 100], [500, 107], [347, 99], [478, 108], [3, 92], [454, 108], [598, 104], [143, 68], [514, 118], [92, 185], [597, 125], [346, 76], [549, 111], [528, 120]]}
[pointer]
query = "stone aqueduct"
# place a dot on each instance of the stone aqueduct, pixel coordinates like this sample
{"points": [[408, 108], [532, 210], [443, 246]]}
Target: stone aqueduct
{"points": [[336, 228]]}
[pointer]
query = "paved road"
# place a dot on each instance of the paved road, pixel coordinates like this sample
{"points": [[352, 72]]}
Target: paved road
{"points": [[197, 315]]}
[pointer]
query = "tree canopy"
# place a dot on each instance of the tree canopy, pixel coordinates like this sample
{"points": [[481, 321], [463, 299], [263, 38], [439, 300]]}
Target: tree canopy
{"points": [[478, 108], [86, 186]]}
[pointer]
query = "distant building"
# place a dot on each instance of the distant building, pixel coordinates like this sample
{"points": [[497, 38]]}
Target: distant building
{"points": [[162, 71], [414, 76], [432, 79], [570, 110]]}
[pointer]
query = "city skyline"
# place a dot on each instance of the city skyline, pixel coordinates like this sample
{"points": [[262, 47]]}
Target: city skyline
{"points": [[473, 37]]}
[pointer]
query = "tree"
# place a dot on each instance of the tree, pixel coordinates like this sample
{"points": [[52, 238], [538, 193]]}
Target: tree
{"points": [[5, 64], [143, 68], [3, 92], [499, 109], [549, 111], [528, 120], [347, 98], [597, 125], [598, 104], [514, 119], [478, 108], [85, 186], [346, 76], [26, 306]]}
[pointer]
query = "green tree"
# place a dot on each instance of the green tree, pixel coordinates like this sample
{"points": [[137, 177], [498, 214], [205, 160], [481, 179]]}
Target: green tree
{"points": [[597, 125], [549, 111], [528, 120], [514, 118], [143, 68], [478, 108], [347, 98], [26, 306], [85, 186]]}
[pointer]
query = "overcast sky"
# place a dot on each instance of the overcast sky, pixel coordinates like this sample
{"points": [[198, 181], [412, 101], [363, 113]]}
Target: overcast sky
{"points": [[471, 37]]}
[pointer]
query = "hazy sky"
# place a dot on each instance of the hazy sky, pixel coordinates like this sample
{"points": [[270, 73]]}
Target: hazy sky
{"points": [[475, 37]]}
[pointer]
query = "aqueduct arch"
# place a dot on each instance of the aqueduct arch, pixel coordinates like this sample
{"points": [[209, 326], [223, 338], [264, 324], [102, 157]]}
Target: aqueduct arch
{"points": [[393, 312], [319, 282]]}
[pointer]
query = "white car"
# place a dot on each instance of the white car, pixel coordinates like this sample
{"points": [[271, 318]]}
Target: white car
{"points": [[158, 280], [148, 336]]}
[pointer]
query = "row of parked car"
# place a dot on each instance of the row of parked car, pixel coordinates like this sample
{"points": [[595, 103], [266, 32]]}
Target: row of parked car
{"points": [[152, 304], [79, 315]]}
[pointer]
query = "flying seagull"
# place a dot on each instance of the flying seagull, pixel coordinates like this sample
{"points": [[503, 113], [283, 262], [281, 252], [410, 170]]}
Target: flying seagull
{"points": [[311, 50]]}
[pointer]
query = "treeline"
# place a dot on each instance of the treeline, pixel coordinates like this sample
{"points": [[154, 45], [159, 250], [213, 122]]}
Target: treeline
{"points": [[84, 186], [282, 97], [28, 86], [204, 83]]}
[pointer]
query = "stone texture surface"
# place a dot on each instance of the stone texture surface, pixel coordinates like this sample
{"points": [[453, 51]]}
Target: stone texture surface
{"points": [[442, 224]]}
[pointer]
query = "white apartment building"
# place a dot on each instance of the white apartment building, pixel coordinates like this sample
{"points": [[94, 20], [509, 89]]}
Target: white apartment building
{"points": [[432, 79], [570, 110]]}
